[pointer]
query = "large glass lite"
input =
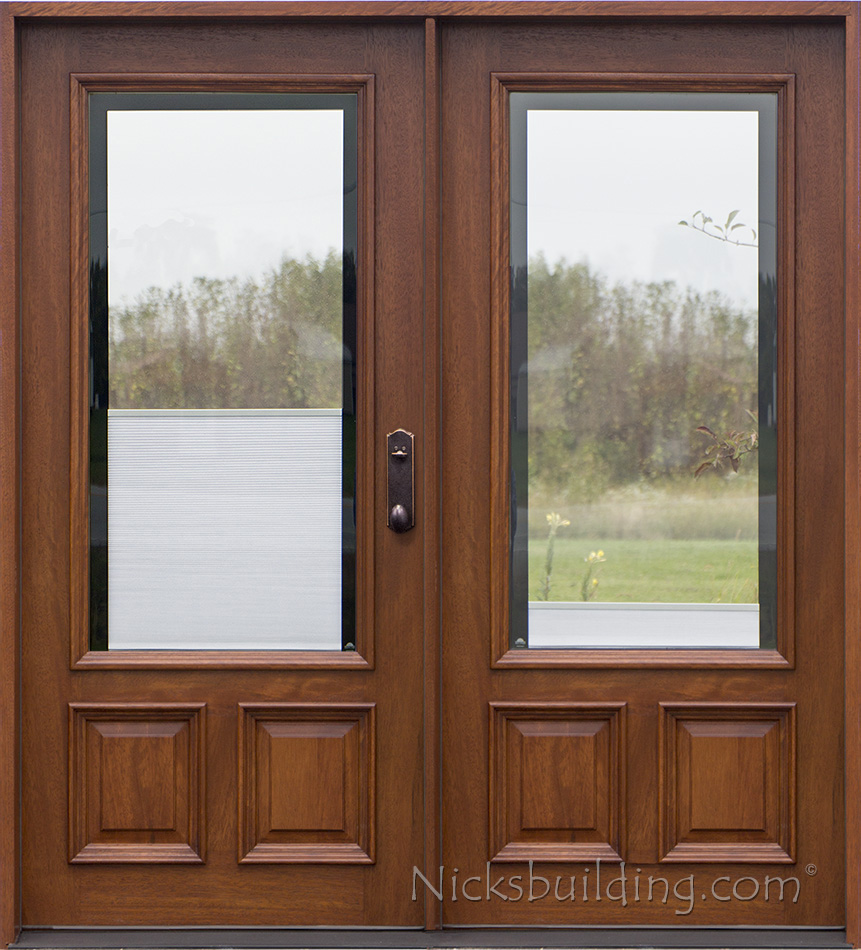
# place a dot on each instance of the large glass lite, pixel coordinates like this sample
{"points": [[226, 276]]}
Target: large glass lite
{"points": [[223, 340], [643, 370]]}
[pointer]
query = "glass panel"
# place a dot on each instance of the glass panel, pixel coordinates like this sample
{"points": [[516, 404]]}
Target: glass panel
{"points": [[643, 355], [223, 289]]}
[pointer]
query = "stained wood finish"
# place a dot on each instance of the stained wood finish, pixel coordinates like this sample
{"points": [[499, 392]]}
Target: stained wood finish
{"points": [[432, 462], [852, 461], [728, 783], [79, 580], [595, 38], [306, 784], [557, 782], [502, 84], [10, 489], [276, 55], [448, 8], [478, 673], [136, 784]]}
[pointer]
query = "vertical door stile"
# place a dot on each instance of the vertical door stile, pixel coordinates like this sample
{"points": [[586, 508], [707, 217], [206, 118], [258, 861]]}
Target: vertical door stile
{"points": [[852, 462], [432, 347], [10, 484]]}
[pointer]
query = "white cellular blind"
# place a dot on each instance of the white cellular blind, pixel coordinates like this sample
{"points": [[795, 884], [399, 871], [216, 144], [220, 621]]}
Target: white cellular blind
{"points": [[643, 626], [224, 529]]}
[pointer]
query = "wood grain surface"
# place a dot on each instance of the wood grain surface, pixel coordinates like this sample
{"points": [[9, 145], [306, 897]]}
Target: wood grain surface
{"points": [[464, 749], [474, 261], [385, 63]]}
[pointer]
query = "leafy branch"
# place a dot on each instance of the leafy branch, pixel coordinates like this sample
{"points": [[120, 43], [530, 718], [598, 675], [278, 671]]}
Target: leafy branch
{"points": [[706, 225], [728, 450]]}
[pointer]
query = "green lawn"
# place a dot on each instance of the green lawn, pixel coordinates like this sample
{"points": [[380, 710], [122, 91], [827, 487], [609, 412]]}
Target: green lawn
{"points": [[650, 571]]}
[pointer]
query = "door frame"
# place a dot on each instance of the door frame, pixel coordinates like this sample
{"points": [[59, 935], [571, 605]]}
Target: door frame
{"points": [[15, 16]]}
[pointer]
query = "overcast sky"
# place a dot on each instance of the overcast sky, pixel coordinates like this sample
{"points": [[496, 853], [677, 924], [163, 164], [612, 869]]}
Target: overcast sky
{"points": [[611, 187], [219, 193], [228, 193]]}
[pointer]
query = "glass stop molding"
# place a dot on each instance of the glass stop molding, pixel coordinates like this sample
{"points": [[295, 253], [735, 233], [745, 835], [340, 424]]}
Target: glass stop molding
{"points": [[223, 238], [643, 370]]}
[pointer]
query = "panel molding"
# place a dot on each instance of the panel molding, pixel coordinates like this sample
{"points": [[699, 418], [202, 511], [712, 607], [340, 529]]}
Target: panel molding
{"points": [[323, 757], [125, 748], [747, 753], [502, 656], [526, 827], [81, 657]]}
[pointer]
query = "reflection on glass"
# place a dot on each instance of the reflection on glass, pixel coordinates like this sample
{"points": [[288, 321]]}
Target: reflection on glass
{"points": [[223, 330], [642, 357]]}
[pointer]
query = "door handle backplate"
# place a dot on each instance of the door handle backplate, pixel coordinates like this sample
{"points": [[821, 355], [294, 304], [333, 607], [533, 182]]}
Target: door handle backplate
{"points": [[400, 510]]}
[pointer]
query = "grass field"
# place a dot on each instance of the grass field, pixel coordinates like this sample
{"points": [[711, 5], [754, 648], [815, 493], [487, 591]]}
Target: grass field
{"points": [[648, 571], [680, 541], [718, 508]]}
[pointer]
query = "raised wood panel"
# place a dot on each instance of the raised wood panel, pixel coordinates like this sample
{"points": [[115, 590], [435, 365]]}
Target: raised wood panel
{"points": [[304, 759], [136, 783], [306, 784], [569, 752], [147, 751], [728, 782], [557, 781]]}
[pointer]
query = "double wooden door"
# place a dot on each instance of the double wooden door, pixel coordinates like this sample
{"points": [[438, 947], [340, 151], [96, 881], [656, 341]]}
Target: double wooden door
{"points": [[442, 763]]}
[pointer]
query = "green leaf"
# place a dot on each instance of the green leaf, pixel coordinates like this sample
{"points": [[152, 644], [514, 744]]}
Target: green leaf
{"points": [[732, 216]]}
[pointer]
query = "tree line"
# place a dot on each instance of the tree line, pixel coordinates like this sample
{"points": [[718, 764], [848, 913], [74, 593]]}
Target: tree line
{"points": [[276, 342], [619, 375]]}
